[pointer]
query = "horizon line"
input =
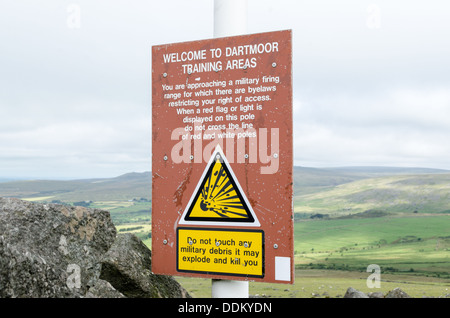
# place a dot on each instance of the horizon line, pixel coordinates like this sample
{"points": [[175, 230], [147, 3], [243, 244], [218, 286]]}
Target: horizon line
{"points": [[4, 179]]}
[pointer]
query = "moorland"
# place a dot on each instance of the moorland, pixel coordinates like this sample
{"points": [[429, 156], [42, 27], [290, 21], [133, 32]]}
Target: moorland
{"points": [[345, 219]]}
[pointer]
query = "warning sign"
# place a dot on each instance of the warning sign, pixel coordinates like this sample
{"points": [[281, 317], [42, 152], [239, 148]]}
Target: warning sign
{"points": [[218, 198], [227, 252], [222, 158]]}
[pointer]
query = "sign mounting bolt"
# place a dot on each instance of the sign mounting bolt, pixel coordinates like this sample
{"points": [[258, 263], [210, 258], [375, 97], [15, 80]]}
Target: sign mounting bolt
{"points": [[275, 155], [275, 246], [166, 158], [165, 74], [165, 242], [274, 64]]}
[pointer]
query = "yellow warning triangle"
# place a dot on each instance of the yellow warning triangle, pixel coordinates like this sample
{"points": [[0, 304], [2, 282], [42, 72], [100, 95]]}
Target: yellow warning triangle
{"points": [[218, 198]]}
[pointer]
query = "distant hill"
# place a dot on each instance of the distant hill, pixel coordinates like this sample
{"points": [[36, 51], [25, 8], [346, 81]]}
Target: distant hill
{"points": [[307, 180], [374, 171], [331, 191], [124, 187], [390, 190]]}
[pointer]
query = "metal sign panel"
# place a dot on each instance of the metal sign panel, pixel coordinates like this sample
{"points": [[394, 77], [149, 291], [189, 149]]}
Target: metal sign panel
{"points": [[222, 158]]}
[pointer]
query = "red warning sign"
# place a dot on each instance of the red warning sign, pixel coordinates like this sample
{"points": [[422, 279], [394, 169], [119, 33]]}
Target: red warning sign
{"points": [[222, 158]]}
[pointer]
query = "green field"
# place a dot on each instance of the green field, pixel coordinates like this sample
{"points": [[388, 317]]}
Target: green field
{"points": [[126, 212], [418, 245], [314, 283], [332, 255]]}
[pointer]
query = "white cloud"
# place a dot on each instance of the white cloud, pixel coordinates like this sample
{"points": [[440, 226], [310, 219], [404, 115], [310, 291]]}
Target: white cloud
{"points": [[406, 127], [87, 138], [77, 102]]}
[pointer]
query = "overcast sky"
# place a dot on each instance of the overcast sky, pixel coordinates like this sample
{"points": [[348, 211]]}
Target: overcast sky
{"points": [[371, 81]]}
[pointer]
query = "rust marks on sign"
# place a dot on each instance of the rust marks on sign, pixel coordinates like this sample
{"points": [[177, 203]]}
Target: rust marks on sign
{"points": [[178, 195]]}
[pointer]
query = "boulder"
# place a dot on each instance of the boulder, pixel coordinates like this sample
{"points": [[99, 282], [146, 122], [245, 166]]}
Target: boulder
{"points": [[353, 293], [127, 267], [397, 293], [51, 250], [103, 289], [375, 295]]}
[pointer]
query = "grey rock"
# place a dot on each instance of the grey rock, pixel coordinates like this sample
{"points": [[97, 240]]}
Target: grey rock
{"points": [[103, 289], [58, 251], [375, 295], [127, 266], [353, 293], [51, 250], [397, 293]]}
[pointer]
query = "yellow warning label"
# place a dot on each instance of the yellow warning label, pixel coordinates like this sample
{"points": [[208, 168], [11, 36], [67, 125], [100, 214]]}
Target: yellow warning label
{"points": [[218, 196], [220, 251]]}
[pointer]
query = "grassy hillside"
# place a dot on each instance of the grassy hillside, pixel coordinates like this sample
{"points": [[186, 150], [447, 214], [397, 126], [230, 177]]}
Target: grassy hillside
{"points": [[413, 244], [125, 187], [310, 180], [418, 193]]}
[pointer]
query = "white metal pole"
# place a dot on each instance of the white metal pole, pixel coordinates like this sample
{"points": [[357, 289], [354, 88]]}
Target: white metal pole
{"points": [[230, 19], [222, 288]]}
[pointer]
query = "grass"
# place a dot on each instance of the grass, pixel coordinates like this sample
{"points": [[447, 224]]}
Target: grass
{"points": [[134, 228], [126, 212], [323, 235], [112, 205], [405, 193], [412, 252], [413, 244], [329, 283], [37, 199], [130, 217]]}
